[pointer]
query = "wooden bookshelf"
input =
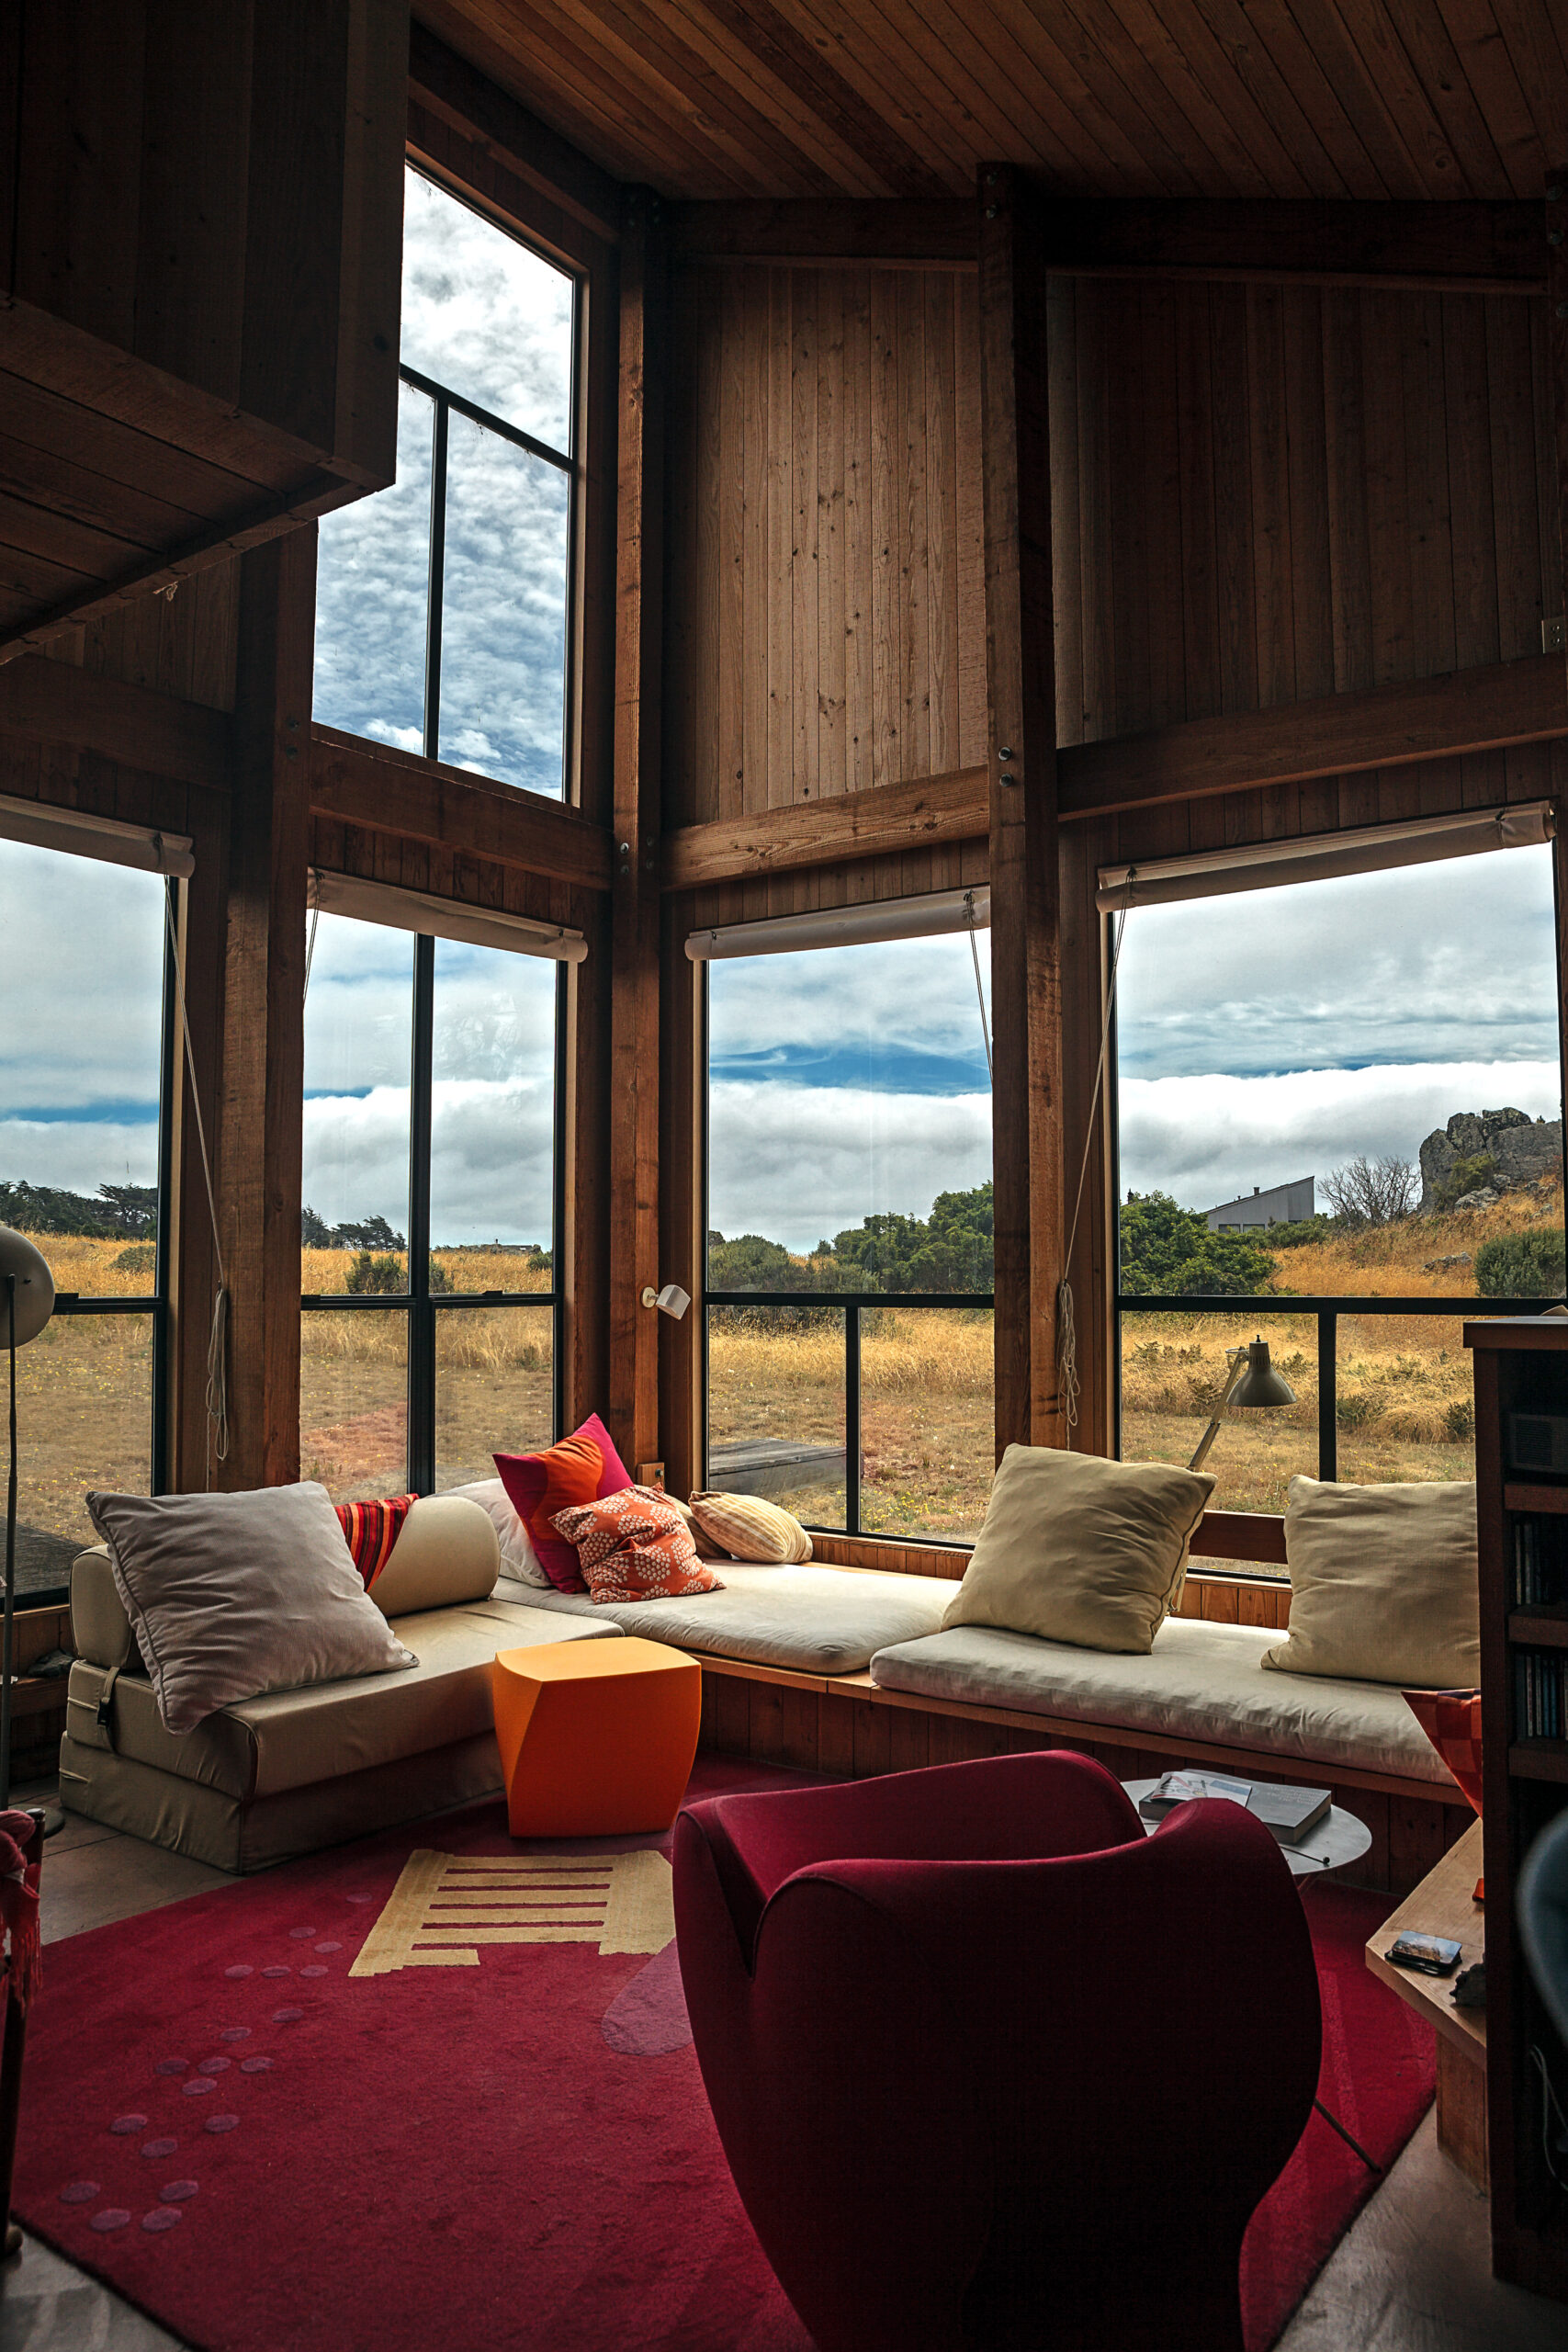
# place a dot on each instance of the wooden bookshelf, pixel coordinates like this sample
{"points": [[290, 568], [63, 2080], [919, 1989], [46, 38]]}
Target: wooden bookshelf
{"points": [[1521, 1364]]}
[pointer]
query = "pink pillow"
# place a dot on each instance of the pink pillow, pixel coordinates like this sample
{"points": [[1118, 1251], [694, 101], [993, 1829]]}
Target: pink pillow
{"points": [[581, 1468]]}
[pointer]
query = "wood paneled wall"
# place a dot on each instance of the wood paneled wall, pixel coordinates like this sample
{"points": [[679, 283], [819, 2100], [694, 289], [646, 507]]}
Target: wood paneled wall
{"points": [[824, 613]]}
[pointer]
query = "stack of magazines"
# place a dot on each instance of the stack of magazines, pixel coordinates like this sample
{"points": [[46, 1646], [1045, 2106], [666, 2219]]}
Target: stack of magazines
{"points": [[1288, 1812]]}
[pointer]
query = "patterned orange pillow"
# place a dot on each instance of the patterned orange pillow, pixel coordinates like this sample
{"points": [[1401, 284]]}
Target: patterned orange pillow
{"points": [[635, 1546]]}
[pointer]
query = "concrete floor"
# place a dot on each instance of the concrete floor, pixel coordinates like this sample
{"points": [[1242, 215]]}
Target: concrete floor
{"points": [[1412, 2276]]}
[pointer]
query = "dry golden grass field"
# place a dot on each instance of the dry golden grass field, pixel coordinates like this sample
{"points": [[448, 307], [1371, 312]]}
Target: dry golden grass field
{"points": [[1404, 1394]]}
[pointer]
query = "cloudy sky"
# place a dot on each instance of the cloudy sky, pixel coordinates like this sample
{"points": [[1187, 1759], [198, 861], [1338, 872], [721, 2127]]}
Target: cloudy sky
{"points": [[1278, 1034], [492, 322]]}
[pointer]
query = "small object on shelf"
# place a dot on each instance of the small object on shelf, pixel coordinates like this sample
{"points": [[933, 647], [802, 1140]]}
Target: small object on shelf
{"points": [[1469, 1986], [1433, 1955]]}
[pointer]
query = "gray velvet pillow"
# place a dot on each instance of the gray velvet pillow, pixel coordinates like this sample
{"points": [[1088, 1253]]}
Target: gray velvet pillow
{"points": [[231, 1595]]}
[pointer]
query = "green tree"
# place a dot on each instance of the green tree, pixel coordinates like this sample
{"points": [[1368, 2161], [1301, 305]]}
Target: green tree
{"points": [[1170, 1250], [749, 1262]]}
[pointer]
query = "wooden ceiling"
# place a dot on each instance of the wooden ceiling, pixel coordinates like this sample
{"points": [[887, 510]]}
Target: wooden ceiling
{"points": [[715, 99]]}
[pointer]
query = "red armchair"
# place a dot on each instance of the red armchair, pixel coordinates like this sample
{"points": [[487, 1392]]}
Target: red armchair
{"points": [[990, 2068]]}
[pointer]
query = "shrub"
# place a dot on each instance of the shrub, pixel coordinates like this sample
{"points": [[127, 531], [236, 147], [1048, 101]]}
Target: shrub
{"points": [[1465, 1176], [1170, 1249], [141, 1257], [1522, 1265], [369, 1273]]}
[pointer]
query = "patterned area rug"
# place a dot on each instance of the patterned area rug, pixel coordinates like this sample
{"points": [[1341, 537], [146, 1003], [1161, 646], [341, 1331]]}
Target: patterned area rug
{"points": [[437, 2088]]}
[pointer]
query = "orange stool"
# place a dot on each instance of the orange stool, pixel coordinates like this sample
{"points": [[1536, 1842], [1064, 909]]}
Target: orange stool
{"points": [[596, 1738]]}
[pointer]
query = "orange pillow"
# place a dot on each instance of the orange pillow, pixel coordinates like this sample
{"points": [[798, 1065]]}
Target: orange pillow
{"points": [[582, 1468], [635, 1546]]}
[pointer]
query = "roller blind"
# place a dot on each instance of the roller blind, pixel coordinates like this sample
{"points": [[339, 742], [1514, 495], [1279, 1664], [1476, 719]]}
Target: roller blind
{"points": [[86, 835], [923, 918], [345, 894], [1265, 865]]}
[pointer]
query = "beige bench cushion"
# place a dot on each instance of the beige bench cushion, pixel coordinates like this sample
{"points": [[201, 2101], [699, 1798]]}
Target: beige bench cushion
{"points": [[1200, 1681], [289, 1739], [810, 1620]]}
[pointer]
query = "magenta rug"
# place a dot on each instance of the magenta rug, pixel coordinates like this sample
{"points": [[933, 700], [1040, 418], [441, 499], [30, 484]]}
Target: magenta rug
{"points": [[510, 2148]]}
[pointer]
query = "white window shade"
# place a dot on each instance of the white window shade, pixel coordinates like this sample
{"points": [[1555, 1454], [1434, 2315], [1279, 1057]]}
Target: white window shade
{"points": [[345, 894], [923, 918], [1371, 848], [86, 835]]}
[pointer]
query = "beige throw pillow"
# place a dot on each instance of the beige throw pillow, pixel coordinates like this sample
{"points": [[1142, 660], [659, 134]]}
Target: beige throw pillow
{"points": [[1080, 1550], [750, 1529], [231, 1595], [1383, 1584]]}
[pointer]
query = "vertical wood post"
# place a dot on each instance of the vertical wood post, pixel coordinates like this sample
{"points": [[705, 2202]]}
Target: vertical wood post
{"points": [[1557, 331], [634, 892], [1029, 1143], [260, 1113]]}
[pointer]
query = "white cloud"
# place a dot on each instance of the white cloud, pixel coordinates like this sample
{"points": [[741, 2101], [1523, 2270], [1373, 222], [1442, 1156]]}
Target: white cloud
{"points": [[78, 1154], [1207, 1138], [799, 1163], [879, 1002], [81, 1006]]}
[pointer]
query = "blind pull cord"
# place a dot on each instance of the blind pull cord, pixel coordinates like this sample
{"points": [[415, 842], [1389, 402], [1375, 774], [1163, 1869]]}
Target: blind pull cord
{"points": [[979, 988], [1068, 1386], [217, 1396]]}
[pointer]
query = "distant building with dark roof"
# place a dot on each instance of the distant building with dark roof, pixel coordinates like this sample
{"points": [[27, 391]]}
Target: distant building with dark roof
{"points": [[1280, 1204]]}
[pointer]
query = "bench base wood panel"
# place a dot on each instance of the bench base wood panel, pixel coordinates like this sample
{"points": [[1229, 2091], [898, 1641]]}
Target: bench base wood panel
{"points": [[845, 1724]]}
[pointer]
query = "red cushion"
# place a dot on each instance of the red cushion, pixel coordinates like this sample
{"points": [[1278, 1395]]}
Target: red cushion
{"points": [[370, 1530], [636, 1546], [582, 1468]]}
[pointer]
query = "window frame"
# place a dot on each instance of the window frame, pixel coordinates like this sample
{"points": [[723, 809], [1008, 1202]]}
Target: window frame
{"points": [[418, 1305]]}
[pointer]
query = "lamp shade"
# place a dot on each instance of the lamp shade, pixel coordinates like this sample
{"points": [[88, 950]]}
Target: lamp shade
{"points": [[1260, 1383], [35, 1286]]}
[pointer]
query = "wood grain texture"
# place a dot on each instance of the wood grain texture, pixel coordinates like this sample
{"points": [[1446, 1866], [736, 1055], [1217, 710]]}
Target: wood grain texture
{"points": [[53, 702], [485, 115], [357, 782], [881, 821]]}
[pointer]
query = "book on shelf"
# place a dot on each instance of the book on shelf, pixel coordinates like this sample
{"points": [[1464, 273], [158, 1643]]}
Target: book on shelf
{"points": [[1540, 1554], [1540, 1693], [1290, 1812]]}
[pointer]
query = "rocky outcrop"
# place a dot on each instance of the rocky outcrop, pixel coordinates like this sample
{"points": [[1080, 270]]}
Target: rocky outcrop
{"points": [[1522, 1152]]}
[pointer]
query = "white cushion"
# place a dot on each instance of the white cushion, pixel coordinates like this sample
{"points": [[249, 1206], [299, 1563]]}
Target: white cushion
{"points": [[446, 1552], [231, 1595], [518, 1558], [811, 1620], [1200, 1681]]}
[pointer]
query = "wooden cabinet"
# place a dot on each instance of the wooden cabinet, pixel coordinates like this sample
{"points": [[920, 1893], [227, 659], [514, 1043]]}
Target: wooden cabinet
{"points": [[1521, 1366], [200, 263]]}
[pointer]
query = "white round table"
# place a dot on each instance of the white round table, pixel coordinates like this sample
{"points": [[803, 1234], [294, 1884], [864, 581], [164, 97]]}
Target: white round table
{"points": [[1338, 1839]]}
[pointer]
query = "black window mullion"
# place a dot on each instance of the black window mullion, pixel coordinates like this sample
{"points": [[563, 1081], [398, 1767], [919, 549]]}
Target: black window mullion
{"points": [[168, 1075], [852, 1420], [436, 587], [1328, 1398], [558, 1210], [422, 1318]]}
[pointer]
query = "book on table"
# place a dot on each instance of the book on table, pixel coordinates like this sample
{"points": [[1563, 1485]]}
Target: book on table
{"points": [[1290, 1812]]}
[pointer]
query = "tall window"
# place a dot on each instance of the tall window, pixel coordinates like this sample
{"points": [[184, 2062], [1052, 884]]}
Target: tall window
{"points": [[442, 619], [849, 1206], [1341, 1104], [429, 1266], [83, 1133]]}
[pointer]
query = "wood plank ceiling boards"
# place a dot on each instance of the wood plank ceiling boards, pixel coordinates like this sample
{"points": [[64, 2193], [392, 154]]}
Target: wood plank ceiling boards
{"points": [[727, 99]]}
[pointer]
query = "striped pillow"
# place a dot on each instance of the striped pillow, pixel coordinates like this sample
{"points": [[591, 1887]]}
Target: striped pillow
{"points": [[370, 1530], [750, 1529]]}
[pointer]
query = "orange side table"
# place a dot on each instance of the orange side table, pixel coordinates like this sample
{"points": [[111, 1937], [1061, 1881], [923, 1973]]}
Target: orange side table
{"points": [[596, 1738]]}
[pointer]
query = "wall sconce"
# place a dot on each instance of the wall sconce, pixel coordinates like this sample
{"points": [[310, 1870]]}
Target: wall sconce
{"points": [[670, 1300]]}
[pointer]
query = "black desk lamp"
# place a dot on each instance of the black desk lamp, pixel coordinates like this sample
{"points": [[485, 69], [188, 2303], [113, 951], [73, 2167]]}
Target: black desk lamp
{"points": [[1251, 1380]]}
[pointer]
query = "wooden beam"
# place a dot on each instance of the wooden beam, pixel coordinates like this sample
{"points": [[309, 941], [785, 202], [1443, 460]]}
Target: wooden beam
{"points": [[261, 1105], [634, 1329], [883, 818], [1240, 1535], [895, 233], [59, 703], [1480, 710], [359, 783], [503, 127], [1030, 1145], [1451, 248]]}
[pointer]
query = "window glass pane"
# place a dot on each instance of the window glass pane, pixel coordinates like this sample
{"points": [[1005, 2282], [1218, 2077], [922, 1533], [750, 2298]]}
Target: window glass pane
{"points": [[503, 611], [1406, 1398], [1385, 1043], [492, 1119], [354, 1402], [84, 1419], [928, 1421], [776, 1407], [358, 1028], [1174, 1370], [484, 316], [850, 1120], [494, 1391], [372, 595]]}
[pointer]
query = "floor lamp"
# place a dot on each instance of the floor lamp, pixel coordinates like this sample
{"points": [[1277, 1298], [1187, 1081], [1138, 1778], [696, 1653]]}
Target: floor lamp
{"points": [[28, 1302]]}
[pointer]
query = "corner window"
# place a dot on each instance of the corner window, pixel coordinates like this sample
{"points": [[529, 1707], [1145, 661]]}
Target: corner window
{"points": [[443, 610], [849, 1326], [1339, 1129], [430, 1335], [84, 1041]]}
